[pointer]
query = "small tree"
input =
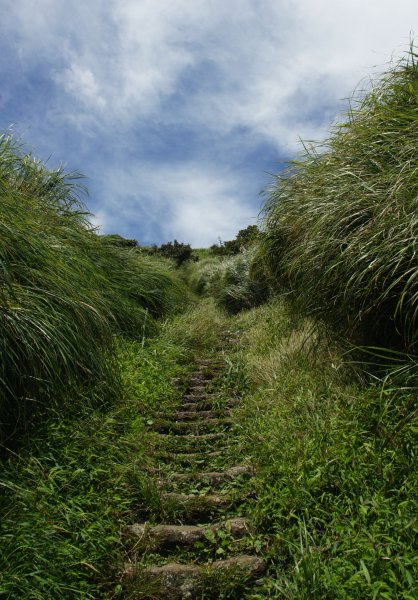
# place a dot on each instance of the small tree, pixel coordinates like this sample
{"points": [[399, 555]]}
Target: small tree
{"points": [[176, 250], [246, 237], [244, 240]]}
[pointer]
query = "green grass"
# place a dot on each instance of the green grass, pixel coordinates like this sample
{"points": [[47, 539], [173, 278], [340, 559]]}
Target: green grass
{"points": [[231, 281], [341, 223], [64, 292], [336, 460], [66, 498], [332, 505]]}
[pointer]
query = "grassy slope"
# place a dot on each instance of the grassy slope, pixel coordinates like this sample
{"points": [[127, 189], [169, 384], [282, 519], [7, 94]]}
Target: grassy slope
{"points": [[74, 390], [341, 224], [65, 497], [63, 292], [333, 508], [337, 463], [85, 474]]}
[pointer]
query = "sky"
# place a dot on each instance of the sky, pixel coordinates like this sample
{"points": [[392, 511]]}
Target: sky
{"points": [[179, 112]]}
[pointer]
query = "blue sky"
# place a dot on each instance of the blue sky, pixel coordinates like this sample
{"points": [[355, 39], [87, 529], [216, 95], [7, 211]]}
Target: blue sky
{"points": [[178, 111]]}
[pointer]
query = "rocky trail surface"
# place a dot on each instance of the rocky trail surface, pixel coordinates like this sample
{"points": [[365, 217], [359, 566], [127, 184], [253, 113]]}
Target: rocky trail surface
{"points": [[197, 544]]}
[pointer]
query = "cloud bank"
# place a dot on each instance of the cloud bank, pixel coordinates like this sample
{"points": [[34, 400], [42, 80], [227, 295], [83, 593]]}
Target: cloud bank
{"points": [[176, 109]]}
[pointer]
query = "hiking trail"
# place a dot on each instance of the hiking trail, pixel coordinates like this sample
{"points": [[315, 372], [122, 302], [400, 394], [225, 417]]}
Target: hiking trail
{"points": [[199, 546]]}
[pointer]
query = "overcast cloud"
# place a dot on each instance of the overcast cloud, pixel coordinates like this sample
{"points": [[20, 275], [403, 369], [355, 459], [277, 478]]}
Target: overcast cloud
{"points": [[177, 110]]}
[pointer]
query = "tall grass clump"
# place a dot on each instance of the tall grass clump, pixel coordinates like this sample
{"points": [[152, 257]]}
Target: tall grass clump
{"points": [[335, 462], [231, 281], [341, 222], [63, 291]]}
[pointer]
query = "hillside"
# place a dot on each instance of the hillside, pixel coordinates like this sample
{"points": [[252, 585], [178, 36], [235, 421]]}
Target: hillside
{"points": [[241, 424]]}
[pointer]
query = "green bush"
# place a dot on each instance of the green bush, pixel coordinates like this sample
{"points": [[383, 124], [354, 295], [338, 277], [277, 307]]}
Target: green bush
{"points": [[177, 251], [231, 282], [63, 290], [341, 222]]}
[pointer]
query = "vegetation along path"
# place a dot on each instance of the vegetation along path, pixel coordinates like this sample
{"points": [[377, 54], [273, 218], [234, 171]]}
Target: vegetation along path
{"points": [[238, 426], [201, 499]]}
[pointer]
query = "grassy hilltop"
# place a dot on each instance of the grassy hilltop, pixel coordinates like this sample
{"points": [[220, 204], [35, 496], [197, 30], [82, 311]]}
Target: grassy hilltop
{"points": [[99, 336]]}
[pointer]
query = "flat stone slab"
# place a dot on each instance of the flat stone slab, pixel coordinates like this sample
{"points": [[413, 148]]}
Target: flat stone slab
{"points": [[178, 581], [196, 415], [193, 507], [196, 398], [214, 477], [196, 388], [209, 362], [198, 379], [201, 405], [189, 457], [166, 537], [192, 440], [187, 427]]}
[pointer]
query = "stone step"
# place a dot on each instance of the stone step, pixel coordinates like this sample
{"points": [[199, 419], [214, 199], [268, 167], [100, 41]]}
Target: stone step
{"points": [[190, 458], [191, 440], [210, 362], [199, 405], [185, 428], [194, 415], [169, 537], [196, 388], [199, 397], [194, 507], [199, 379], [214, 478], [207, 373], [176, 581]]}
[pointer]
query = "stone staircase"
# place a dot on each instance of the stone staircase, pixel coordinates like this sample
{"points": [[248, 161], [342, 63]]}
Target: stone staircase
{"points": [[199, 493]]}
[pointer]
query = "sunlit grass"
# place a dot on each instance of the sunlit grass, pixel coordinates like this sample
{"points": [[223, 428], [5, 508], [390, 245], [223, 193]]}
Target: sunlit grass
{"points": [[336, 463], [230, 281]]}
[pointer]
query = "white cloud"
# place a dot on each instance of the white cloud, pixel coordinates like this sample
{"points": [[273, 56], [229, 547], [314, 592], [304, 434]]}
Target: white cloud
{"points": [[187, 202], [274, 69], [123, 60], [81, 82]]}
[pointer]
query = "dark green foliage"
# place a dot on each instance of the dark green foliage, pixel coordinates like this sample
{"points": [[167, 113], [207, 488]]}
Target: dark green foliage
{"points": [[177, 251], [120, 241], [341, 224], [228, 248], [245, 239]]}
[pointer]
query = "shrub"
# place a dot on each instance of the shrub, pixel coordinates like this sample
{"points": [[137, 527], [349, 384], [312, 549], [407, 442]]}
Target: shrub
{"points": [[341, 222], [230, 281], [63, 290], [177, 251]]}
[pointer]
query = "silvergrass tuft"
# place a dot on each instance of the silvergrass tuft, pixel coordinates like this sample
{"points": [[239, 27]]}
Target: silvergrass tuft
{"points": [[341, 223], [64, 291]]}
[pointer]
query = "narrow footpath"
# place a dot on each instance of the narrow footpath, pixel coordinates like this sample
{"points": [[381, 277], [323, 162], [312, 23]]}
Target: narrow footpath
{"points": [[200, 546]]}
